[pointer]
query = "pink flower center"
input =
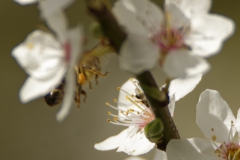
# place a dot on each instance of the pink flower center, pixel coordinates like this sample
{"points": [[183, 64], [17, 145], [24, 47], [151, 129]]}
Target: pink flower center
{"points": [[168, 39], [138, 115], [228, 151], [68, 50]]}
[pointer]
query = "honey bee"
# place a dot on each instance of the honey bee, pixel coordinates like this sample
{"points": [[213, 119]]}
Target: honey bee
{"points": [[85, 71]]}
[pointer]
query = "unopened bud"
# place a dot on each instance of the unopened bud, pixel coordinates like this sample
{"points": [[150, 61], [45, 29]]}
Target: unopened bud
{"points": [[154, 130]]}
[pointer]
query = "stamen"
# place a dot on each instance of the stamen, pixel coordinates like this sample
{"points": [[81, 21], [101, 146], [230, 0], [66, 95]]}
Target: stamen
{"points": [[128, 98]]}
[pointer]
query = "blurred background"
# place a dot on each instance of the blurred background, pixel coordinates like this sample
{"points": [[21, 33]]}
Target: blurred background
{"points": [[31, 132]]}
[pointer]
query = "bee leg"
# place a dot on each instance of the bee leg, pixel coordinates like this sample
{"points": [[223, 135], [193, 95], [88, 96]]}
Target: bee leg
{"points": [[85, 95], [96, 79], [89, 82], [103, 74], [97, 72], [78, 93]]}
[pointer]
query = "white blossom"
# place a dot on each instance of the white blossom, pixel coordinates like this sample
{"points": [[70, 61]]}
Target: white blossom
{"points": [[135, 113], [166, 36], [48, 60], [48, 7], [220, 127], [158, 155]]}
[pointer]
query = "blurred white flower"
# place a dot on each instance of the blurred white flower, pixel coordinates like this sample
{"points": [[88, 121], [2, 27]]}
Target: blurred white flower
{"points": [[158, 155], [135, 112], [220, 127], [25, 2], [184, 24], [48, 60], [48, 7]]}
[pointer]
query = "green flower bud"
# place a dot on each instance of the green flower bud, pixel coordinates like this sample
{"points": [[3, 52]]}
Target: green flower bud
{"points": [[153, 130]]}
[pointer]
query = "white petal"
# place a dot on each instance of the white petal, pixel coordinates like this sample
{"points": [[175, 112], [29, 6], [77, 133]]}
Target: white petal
{"points": [[112, 142], [140, 17], [192, 7], [180, 87], [176, 17], [208, 33], [127, 89], [171, 105], [214, 113], [159, 155], [40, 55], [136, 144], [237, 125], [68, 96], [135, 158], [138, 54], [75, 36], [49, 7], [25, 2], [58, 23], [191, 149], [181, 63], [34, 88]]}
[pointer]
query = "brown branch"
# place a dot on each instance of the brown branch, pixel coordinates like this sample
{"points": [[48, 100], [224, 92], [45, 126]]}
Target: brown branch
{"points": [[158, 100]]}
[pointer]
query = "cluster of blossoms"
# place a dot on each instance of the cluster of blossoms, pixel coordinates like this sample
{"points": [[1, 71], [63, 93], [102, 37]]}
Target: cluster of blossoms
{"points": [[178, 38]]}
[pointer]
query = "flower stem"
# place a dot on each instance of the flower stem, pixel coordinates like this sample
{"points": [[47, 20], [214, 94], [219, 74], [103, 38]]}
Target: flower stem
{"points": [[158, 99]]}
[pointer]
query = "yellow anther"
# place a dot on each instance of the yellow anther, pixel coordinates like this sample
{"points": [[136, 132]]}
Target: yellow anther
{"points": [[109, 113], [138, 112], [108, 120], [214, 138], [131, 110], [30, 45], [107, 103], [114, 100], [115, 118], [130, 79], [118, 88]]}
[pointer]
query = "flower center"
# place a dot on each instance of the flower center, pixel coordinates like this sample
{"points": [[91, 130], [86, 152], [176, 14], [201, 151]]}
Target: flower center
{"points": [[229, 151], [168, 39], [138, 115]]}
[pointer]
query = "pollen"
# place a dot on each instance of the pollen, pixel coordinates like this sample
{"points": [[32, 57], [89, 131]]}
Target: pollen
{"points": [[30, 45], [136, 113], [131, 110], [214, 138], [81, 78], [118, 88], [229, 150]]}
